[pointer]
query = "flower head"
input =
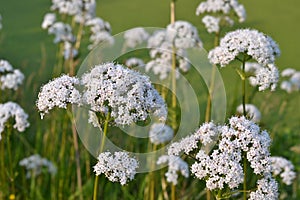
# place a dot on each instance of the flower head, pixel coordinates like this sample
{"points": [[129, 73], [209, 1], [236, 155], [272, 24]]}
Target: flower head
{"points": [[134, 62], [293, 82], [118, 167], [252, 112], [135, 36], [10, 78], [160, 133], [128, 95], [175, 165], [11, 109], [49, 20], [62, 32], [58, 93], [284, 168], [34, 165], [251, 42], [267, 188]]}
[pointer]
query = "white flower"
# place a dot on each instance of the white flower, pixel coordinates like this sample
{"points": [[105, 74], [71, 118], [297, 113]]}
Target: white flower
{"points": [[252, 112], [58, 93], [69, 51], [62, 32], [160, 133], [284, 168], [183, 35], [34, 165], [175, 164], [222, 6], [134, 62], [10, 78], [267, 189], [218, 169], [211, 23], [180, 35], [251, 42], [293, 83], [135, 36], [117, 168], [49, 20], [128, 95], [11, 109], [100, 30]]}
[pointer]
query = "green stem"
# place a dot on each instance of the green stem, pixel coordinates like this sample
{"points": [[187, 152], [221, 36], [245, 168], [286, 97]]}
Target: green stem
{"points": [[11, 175], [244, 87], [105, 129]]}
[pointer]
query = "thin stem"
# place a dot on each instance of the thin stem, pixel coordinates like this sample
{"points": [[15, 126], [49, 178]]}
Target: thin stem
{"points": [[11, 175], [244, 87], [77, 155], [245, 178], [173, 192], [173, 74], [105, 129]]}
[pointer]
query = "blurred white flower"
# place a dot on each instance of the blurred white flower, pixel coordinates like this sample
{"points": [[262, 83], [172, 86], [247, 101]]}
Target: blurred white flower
{"points": [[34, 165], [100, 32], [128, 95], [256, 45], [211, 23], [10, 78], [134, 62], [160, 133], [180, 35], [284, 168], [69, 51], [58, 93], [252, 112], [293, 82], [118, 167], [13, 110], [135, 36], [222, 6], [175, 165], [62, 32], [49, 20]]}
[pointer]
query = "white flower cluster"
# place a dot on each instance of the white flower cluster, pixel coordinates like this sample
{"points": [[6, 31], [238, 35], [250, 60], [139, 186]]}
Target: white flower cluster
{"points": [[100, 32], [117, 168], [222, 6], [251, 42], [224, 165], [134, 62], [58, 93], [207, 133], [128, 95], [219, 169], [178, 36], [63, 33], [160, 133], [135, 36], [82, 10], [10, 78], [175, 164], [11, 109], [284, 168], [252, 112], [293, 83], [267, 188], [211, 23], [34, 165], [262, 76]]}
